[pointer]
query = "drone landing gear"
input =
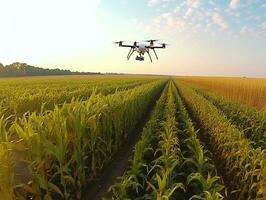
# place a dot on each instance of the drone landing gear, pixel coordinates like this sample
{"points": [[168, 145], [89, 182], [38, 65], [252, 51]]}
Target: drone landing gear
{"points": [[131, 51], [149, 54]]}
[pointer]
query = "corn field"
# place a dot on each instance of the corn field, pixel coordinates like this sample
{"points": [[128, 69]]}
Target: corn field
{"points": [[249, 91], [59, 136]]}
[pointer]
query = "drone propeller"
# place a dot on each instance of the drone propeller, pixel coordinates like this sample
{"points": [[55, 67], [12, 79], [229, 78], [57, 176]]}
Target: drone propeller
{"points": [[134, 42], [164, 44], [119, 42], [150, 40]]}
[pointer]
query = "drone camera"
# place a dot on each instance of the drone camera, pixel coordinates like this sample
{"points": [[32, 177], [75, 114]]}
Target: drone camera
{"points": [[140, 58]]}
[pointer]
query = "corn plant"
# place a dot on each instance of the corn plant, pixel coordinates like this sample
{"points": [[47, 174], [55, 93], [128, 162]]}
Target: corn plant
{"points": [[164, 178], [242, 164], [7, 180], [133, 183], [164, 182], [62, 150], [248, 120], [210, 186], [29, 94], [250, 91], [195, 159]]}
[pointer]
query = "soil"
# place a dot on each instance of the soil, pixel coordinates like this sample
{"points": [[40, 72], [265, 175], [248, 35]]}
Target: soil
{"points": [[99, 188]]}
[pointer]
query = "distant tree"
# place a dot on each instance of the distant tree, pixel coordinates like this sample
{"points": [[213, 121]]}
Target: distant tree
{"points": [[2, 67], [23, 69]]}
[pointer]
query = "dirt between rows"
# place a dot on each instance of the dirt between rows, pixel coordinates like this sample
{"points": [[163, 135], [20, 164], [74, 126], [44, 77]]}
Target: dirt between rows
{"points": [[99, 188]]}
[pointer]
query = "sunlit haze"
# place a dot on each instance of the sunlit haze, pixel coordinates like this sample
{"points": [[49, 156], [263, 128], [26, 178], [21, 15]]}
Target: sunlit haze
{"points": [[207, 37]]}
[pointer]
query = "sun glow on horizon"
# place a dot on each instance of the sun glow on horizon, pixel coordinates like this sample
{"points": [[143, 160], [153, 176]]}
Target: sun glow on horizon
{"points": [[37, 31]]}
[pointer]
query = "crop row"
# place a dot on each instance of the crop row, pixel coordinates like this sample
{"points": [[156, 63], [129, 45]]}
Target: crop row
{"points": [[243, 167], [248, 120], [19, 100], [169, 161], [198, 168], [133, 182], [249, 91], [53, 155]]}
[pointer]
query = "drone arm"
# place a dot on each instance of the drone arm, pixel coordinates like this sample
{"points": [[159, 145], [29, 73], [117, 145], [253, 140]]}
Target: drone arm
{"points": [[155, 47], [122, 45]]}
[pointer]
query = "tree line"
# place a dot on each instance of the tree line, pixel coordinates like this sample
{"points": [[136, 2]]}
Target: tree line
{"points": [[23, 69]]}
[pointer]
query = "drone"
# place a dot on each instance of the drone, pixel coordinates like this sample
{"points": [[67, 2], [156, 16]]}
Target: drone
{"points": [[142, 48]]}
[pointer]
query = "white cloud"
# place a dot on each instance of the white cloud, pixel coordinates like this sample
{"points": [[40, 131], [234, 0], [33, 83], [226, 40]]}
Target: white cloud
{"points": [[177, 9], [263, 29], [169, 20], [259, 31], [246, 31], [188, 13], [208, 28], [194, 3], [234, 4], [167, 25], [152, 3], [254, 17], [192, 18], [219, 21], [263, 26]]}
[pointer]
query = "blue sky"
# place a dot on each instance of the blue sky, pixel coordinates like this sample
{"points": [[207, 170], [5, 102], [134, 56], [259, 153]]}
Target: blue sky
{"points": [[207, 37]]}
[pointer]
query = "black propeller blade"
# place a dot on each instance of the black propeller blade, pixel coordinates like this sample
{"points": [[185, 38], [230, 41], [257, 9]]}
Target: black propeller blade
{"points": [[150, 40], [164, 44], [119, 42]]}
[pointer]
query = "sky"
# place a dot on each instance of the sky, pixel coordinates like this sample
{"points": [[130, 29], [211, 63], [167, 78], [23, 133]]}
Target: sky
{"points": [[206, 37]]}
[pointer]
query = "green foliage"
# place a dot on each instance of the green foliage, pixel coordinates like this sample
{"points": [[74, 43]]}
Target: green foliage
{"points": [[242, 165], [163, 176], [62, 150], [248, 120], [54, 154], [142, 157], [17, 69], [31, 95]]}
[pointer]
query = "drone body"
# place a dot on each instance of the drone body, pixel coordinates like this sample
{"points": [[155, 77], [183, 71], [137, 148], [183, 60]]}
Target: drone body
{"points": [[141, 49]]}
